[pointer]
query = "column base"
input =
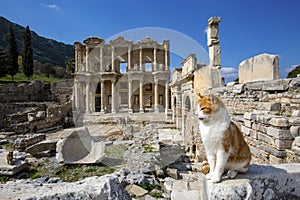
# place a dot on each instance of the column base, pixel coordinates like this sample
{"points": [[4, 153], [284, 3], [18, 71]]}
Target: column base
{"points": [[113, 111], [102, 112], [130, 111], [141, 110]]}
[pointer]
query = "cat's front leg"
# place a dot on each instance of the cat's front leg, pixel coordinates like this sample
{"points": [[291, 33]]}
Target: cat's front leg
{"points": [[211, 158], [221, 161]]}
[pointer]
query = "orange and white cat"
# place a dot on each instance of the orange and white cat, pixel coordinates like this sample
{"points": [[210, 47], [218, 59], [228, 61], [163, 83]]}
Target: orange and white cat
{"points": [[224, 143]]}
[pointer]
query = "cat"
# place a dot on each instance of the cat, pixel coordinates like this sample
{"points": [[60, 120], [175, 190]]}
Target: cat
{"points": [[224, 143]]}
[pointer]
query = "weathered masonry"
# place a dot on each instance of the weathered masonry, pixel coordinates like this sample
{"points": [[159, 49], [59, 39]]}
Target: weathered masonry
{"points": [[121, 76]]}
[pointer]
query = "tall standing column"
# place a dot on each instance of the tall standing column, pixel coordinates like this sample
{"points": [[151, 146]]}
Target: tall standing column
{"points": [[141, 97], [167, 97], [129, 96], [113, 59], [113, 100], [76, 93], [102, 96], [101, 58], [166, 59], [154, 58], [141, 58], [129, 59], [87, 97], [156, 108], [87, 58]]}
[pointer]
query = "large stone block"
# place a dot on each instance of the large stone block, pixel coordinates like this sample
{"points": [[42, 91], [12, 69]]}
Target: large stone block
{"points": [[77, 146], [262, 67], [276, 85], [279, 133]]}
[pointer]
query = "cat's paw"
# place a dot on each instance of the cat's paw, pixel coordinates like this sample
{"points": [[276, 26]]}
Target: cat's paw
{"points": [[216, 179], [232, 174], [208, 176]]}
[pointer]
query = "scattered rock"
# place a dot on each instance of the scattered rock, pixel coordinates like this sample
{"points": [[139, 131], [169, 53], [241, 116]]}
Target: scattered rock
{"points": [[135, 190]]}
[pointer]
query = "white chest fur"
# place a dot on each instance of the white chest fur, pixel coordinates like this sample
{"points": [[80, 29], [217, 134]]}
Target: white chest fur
{"points": [[212, 131]]}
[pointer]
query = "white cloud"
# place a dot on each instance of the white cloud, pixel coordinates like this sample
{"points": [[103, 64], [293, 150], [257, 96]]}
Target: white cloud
{"points": [[229, 72], [51, 6], [288, 69]]}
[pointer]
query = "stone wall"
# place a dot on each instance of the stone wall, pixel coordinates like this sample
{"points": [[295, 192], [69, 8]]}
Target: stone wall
{"points": [[268, 113]]}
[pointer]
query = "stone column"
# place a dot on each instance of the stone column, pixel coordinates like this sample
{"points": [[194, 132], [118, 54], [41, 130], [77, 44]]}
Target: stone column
{"points": [[87, 59], [154, 59], [213, 42], [166, 59], [113, 100], [141, 58], [141, 97], [129, 96], [113, 59], [76, 59], [102, 96], [76, 95], [101, 59], [87, 97], [167, 97], [129, 59], [156, 109]]}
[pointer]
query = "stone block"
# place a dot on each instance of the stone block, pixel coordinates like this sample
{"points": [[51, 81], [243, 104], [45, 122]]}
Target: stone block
{"points": [[265, 138], [253, 134], [294, 121], [250, 115], [279, 122], [253, 85], [173, 173], [264, 119], [237, 89], [273, 151], [38, 148], [279, 133], [276, 85], [269, 106], [259, 153], [76, 146], [275, 160], [248, 123], [283, 144], [135, 190], [262, 67], [245, 130], [259, 127], [296, 149]]}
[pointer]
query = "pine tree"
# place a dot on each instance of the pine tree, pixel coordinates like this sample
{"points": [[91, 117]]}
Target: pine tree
{"points": [[294, 72], [12, 53], [27, 57], [3, 68]]}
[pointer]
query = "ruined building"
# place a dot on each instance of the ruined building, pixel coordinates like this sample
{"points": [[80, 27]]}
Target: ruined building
{"points": [[121, 76]]}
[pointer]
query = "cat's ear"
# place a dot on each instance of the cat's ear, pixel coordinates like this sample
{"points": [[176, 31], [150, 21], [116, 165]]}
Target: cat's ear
{"points": [[199, 96]]}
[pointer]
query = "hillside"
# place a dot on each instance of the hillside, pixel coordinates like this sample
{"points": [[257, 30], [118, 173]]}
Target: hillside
{"points": [[44, 50]]}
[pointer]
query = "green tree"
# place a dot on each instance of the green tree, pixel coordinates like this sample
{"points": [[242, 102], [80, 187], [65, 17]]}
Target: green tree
{"points": [[294, 72], [70, 66], [12, 53], [3, 64], [27, 56]]}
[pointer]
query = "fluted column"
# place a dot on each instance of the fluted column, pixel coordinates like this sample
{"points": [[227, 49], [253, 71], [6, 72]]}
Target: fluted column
{"points": [[166, 59], [87, 97], [129, 96], [129, 59], [76, 93], [101, 58], [87, 58], [154, 58], [141, 97], [167, 97], [113, 95], [102, 96], [156, 109], [113, 59], [141, 58]]}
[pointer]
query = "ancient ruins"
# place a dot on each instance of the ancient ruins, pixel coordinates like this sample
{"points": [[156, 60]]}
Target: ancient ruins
{"points": [[132, 114]]}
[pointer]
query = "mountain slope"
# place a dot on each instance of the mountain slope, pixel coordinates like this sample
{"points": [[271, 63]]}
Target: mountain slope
{"points": [[44, 50]]}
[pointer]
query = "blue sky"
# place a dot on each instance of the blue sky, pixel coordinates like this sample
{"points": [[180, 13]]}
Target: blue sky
{"points": [[248, 28]]}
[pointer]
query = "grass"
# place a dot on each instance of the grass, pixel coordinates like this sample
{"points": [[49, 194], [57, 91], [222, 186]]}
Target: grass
{"points": [[21, 78]]}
